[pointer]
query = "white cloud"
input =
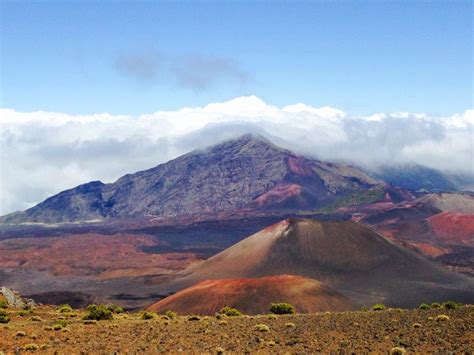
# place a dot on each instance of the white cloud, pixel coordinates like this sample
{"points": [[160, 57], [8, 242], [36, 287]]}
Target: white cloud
{"points": [[43, 153]]}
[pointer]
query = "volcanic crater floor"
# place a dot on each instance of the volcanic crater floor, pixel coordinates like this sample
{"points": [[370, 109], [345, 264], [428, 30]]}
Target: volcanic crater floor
{"points": [[416, 331]]}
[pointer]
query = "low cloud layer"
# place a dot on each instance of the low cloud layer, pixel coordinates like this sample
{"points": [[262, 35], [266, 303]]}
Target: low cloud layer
{"points": [[43, 153]]}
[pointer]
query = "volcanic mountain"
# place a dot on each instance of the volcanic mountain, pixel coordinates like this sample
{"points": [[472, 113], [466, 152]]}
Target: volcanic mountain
{"points": [[347, 256], [254, 296], [245, 174]]}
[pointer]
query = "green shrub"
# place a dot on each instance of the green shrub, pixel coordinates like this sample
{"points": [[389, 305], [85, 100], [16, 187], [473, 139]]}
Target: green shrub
{"points": [[282, 308], [450, 305], [64, 308], [148, 315], [230, 312], [378, 307], [114, 308], [424, 306], [3, 304], [98, 312], [435, 305], [4, 318], [171, 314]]}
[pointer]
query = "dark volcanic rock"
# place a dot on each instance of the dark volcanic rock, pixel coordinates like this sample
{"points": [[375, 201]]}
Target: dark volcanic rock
{"points": [[249, 173]]}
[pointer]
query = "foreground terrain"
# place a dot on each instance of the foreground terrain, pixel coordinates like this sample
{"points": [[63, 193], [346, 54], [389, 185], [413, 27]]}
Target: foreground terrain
{"points": [[47, 330]]}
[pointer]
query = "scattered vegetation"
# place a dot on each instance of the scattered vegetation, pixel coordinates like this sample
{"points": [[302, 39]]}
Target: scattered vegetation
{"points": [[378, 307], [435, 305], [424, 306], [98, 312], [3, 304], [230, 312], [194, 317], [282, 308]]}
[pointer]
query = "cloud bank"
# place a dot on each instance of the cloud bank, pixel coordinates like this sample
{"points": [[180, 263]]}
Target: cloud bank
{"points": [[43, 153]]}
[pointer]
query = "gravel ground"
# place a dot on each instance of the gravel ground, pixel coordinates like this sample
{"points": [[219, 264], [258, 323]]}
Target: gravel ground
{"points": [[419, 331]]}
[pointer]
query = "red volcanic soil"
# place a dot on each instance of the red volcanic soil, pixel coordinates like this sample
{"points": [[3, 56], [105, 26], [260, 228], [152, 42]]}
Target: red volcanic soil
{"points": [[299, 166], [278, 194], [453, 228], [347, 256], [90, 255], [254, 296]]}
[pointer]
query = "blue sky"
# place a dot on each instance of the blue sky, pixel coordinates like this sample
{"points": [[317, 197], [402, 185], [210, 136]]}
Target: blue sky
{"points": [[137, 57]]}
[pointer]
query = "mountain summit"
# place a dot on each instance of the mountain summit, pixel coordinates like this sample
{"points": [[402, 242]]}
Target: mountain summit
{"points": [[248, 173]]}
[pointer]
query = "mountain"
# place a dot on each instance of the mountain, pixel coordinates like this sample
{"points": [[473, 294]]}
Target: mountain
{"points": [[417, 177], [347, 256], [254, 296], [245, 174]]}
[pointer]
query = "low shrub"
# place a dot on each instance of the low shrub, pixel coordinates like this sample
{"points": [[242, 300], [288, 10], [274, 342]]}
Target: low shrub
{"points": [[282, 308], [424, 306], [441, 318], [397, 351], [20, 334], [416, 325], [148, 315], [4, 318], [90, 321], [64, 308], [378, 307], [290, 325], [98, 312], [171, 314], [114, 308], [262, 328], [31, 347], [435, 305], [36, 319], [223, 322], [450, 305], [194, 317], [3, 304], [230, 312]]}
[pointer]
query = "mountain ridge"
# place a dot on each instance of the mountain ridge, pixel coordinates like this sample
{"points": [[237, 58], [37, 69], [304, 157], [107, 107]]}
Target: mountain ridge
{"points": [[248, 173]]}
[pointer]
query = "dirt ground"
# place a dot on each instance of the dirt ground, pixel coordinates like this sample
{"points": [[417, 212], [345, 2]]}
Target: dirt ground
{"points": [[418, 331]]}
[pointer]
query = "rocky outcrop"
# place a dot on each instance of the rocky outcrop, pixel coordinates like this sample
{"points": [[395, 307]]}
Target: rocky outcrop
{"points": [[14, 299]]}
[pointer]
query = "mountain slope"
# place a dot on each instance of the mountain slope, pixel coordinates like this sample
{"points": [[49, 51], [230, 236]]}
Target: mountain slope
{"points": [[254, 296], [416, 177], [347, 256], [249, 173]]}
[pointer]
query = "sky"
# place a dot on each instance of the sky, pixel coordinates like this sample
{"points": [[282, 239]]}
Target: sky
{"points": [[94, 90], [134, 57]]}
